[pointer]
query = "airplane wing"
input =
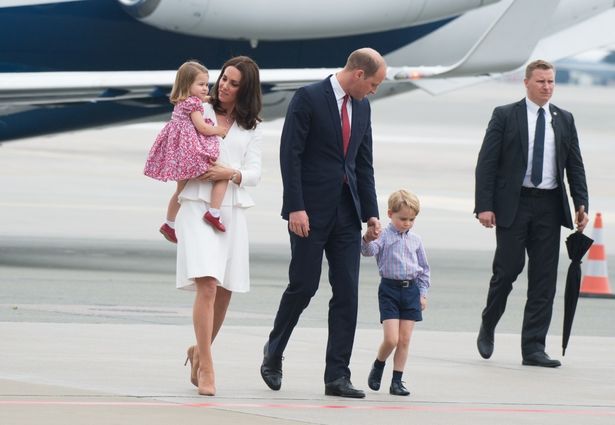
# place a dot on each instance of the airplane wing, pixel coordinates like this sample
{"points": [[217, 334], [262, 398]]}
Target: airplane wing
{"points": [[41, 97], [594, 32], [522, 32], [55, 88]]}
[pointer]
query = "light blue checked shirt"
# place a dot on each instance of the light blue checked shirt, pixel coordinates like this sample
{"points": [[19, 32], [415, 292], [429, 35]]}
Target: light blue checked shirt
{"points": [[399, 256]]}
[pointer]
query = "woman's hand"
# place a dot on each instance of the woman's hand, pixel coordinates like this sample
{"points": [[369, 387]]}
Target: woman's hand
{"points": [[217, 172]]}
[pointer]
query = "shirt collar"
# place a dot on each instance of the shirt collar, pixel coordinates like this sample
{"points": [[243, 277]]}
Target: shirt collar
{"points": [[337, 88], [533, 107]]}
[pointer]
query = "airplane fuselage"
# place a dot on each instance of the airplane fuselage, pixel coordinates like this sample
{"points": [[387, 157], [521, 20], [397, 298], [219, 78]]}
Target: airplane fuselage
{"points": [[98, 35]]}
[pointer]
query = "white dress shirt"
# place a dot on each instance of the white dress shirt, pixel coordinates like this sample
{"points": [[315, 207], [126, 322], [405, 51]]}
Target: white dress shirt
{"points": [[339, 96], [549, 168]]}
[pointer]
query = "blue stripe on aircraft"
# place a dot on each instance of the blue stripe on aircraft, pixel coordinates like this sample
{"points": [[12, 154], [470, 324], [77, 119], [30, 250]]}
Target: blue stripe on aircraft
{"points": [[78, 116], [97, 35]]}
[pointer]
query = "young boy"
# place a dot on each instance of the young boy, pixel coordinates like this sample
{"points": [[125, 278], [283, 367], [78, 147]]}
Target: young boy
{"points": [[402, 293]]}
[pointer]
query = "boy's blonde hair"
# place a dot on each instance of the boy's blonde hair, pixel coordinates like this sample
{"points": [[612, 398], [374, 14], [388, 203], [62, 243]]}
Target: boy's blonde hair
{"points": [[186, 74], [403, 198]]}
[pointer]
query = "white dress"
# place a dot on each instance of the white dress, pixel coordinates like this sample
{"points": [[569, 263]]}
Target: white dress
{"points": [[202, 250]]}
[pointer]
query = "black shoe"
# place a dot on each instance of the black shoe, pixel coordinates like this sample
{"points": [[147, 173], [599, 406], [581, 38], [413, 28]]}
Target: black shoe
{"points": [[540, 358], [397, 388], [271, 369], [374, 378], [342, 387], [484, 342]]}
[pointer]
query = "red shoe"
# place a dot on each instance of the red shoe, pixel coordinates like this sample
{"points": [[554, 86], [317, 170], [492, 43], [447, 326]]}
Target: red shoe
{"points": [[168, 232], [214, 221]]}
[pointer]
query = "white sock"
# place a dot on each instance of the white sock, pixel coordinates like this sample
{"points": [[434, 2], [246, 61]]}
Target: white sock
{"points": [[215, 212], [171, 224]]}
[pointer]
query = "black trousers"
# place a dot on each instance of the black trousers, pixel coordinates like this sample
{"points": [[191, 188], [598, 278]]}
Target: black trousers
{"points": [[340, 240], [536, 229]]}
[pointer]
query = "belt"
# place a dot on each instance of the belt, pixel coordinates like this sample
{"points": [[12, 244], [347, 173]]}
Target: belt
{"points": [[400, 283], [535, 192]]}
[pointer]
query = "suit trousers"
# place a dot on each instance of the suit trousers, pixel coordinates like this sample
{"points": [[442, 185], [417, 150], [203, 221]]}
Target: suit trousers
{"points": [[340, 240], [535, 229]]}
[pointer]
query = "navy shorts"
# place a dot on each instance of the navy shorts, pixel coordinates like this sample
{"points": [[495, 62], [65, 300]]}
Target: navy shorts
{"points": [[398, 301]]}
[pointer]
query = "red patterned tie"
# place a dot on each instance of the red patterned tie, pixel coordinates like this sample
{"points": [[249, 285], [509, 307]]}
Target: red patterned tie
{"points": [[345, 125]]}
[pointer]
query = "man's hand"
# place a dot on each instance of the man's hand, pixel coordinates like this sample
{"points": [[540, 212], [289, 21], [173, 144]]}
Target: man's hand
{"points": [[423, 303], [369, 236], [299, 223], [581, 219], [487, 218], [373, 229]]}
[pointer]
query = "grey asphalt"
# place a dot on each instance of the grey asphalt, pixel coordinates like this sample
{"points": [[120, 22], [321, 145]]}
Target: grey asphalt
{"points": [[92, 330]]}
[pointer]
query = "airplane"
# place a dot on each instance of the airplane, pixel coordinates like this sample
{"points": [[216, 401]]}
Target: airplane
{"points": [[593, 67], [73, 64]]}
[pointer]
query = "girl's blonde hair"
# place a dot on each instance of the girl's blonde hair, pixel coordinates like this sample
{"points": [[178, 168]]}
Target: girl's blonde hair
{"points": [[403, 198], [186, 74]]}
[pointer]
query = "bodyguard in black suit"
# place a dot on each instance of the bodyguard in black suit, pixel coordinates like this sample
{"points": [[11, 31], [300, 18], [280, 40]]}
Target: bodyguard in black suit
{"points": [[520, 190], [328, 177]]}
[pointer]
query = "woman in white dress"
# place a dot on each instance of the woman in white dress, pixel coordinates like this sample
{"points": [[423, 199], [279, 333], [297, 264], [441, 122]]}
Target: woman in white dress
{"points": [[212, 263]]}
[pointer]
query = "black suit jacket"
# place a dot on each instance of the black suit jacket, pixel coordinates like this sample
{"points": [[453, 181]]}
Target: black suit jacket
{"points": [[312, 158], [502, 163]]}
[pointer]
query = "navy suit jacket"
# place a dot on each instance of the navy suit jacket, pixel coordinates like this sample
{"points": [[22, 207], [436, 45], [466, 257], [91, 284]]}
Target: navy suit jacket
{"points": [[502, 163], [312, 158]]}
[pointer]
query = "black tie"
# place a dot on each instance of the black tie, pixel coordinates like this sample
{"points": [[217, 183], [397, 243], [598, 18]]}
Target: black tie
{"points": [[539, 148]]}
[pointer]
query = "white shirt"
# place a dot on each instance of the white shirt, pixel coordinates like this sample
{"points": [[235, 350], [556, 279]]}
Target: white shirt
{"points": [[549, 168], [339, 96]]}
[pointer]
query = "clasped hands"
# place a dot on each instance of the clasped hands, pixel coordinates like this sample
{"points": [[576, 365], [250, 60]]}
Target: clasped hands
{"points": [[373, 230]]}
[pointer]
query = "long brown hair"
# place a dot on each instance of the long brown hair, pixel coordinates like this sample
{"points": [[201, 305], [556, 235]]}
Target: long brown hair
{"points": [[186, 74], [249, 102]]}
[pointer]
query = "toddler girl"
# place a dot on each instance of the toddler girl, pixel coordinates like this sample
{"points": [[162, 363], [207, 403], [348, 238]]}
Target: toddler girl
{"points": [[187, 145]]}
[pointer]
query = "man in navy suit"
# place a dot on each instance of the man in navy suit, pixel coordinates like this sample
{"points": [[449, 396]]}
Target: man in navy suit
{"points": [[329, 189], [527, 148]]}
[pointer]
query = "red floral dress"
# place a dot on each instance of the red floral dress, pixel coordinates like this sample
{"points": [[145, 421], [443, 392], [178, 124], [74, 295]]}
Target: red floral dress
{"points": [[180, 152]]}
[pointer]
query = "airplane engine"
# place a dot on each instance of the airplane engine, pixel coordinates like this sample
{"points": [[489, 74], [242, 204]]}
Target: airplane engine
{"points": [[290, 20]]}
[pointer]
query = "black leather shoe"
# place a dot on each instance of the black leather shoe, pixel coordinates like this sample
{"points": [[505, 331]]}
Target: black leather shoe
{"points": [[342, 387], [374, 378], [271, 369], [540, 358], [484, 342], [397, 388]]}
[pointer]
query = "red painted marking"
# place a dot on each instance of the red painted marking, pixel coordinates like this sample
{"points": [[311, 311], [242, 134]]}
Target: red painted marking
{"points": [[589, 411]]}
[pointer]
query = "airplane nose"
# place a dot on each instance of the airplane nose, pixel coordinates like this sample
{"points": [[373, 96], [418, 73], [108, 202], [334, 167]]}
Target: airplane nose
{"points": [[139, 8]]}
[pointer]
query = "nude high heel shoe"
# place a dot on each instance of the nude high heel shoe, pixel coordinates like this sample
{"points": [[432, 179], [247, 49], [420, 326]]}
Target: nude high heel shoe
{"points": [[192, 356], [207, 384]]}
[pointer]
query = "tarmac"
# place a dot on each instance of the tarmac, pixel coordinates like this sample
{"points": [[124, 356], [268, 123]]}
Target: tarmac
{"points": [[94, 332]]}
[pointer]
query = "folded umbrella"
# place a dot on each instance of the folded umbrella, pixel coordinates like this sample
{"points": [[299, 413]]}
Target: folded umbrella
{"points": [[577, 244]]}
